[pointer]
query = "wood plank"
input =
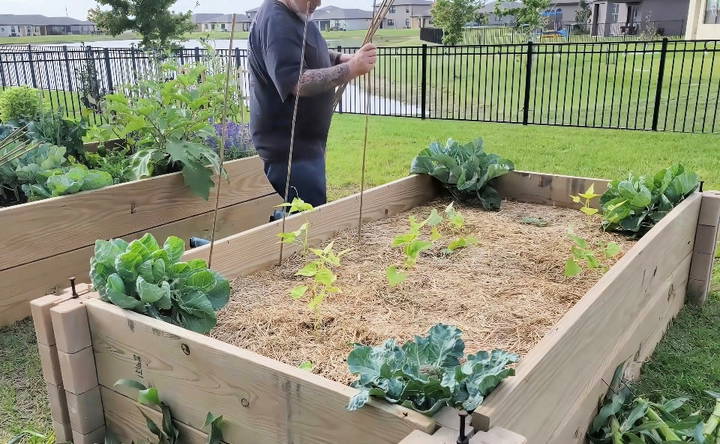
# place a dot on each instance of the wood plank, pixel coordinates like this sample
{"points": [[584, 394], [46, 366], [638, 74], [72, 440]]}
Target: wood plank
{"points": [[547, 189], [647, 330], [38, 230], [583, 346], [260, 246], [20, 285], [262, 400], [124, 418]]}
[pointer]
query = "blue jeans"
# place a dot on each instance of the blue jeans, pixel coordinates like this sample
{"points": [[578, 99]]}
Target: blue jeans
{"points": [[307, 180]]}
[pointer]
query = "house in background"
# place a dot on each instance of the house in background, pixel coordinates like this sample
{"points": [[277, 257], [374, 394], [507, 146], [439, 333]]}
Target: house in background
{"points": [[409, 14], [703, 20], [560, 13], [332, 18], [12, 25], [251, 13], [208, 22], [622, 17]]}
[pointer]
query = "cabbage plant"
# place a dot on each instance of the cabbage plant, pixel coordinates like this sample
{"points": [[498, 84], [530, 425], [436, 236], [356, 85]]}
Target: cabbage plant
{"points": [[142, 276], [428, 372], [466, 170]]}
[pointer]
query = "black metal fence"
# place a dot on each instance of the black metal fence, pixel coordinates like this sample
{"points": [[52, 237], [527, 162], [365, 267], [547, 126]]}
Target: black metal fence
{"points": [[643, 85]]}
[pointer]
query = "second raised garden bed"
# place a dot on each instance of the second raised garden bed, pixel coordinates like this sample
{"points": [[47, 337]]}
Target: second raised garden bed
{"points": [[550, 400]]}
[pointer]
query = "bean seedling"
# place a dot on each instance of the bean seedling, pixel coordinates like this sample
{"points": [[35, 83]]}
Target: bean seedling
{"points": [[321, 278], [583, 253], [297, 206], [585, 198]]}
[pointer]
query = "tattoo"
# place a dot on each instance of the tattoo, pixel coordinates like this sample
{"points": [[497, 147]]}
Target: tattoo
{"points": [[316, 81]]}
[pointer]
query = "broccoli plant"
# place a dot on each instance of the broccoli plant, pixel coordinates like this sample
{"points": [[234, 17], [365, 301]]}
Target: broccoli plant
{"points": [[582, 253], [428, 372], [149, 279]]}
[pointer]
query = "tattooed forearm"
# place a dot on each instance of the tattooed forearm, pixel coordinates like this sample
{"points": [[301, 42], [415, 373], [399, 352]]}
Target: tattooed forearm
{"points": [[316, 81]]}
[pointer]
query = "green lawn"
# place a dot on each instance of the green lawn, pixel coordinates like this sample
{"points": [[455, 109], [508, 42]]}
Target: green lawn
{"points": [[686, 362], [393, 142]]}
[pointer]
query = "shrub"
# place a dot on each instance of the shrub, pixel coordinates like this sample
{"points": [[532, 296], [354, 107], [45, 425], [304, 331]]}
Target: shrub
{"points": [[20, 104]]}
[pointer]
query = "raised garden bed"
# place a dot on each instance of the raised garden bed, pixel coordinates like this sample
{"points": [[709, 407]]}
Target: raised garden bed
{"points": [[551, 400], [47, 241]]}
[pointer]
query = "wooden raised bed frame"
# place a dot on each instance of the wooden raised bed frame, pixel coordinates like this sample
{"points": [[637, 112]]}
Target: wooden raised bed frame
{"points": [[47, 241], [551, 400]]}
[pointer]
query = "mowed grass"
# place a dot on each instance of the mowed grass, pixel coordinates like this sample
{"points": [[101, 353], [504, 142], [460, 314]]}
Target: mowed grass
{"points": [[687, 361], [611, 154], [23, 396]]}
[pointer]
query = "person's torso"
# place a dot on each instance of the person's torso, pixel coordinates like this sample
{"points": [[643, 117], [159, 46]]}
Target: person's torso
{"points": [[271, 117]]}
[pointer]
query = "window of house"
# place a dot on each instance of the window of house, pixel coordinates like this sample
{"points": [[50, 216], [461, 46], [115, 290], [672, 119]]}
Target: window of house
{"points": [[613, 12], [392, 9], [712, 12], [391, 22], [407, 10], [407, 23]]}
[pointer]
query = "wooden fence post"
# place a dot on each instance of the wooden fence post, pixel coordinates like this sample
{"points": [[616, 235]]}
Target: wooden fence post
{"points": [[79, 376], [703, 256], [47, 349]]}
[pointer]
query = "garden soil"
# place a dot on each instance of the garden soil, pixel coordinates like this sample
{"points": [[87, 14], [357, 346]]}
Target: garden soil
{"points": [[505, 292]]}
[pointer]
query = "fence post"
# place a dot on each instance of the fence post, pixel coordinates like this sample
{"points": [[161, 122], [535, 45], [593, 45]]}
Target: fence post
{"points": [[528, 79], [32, 67], [108, 71], [237, 58], [2, 73], [423, 83], [340, 102], [658, 91], [197, 54], [134, 62], [67, 68]]}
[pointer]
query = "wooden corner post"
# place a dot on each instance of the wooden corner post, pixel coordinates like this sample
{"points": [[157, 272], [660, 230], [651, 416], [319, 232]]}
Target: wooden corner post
{"points": [[703, 256], [79, 375]]}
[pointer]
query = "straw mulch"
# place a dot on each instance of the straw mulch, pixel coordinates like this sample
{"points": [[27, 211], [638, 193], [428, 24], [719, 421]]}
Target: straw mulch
{"points": [[505, 292]]}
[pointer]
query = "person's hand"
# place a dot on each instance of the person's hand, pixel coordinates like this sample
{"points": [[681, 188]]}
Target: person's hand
{"points": [[363, 61]]}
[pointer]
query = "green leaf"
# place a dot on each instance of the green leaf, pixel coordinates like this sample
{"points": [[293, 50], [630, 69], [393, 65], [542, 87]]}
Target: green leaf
{"points": [[462, 242], [130, 383], [394, 276], [404, 239], [152, 294], [175, 248], [580, 242], [214, 422], [589, 211], [203, 280], [435, 234], [434, 219], [416, 247], [612, 249], [146, 395], [572, 268], [306, 365], [309, 270], [325, 276], [299, 291]]}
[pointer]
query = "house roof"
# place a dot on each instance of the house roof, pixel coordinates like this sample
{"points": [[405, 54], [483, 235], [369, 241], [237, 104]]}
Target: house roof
{"points": [[489, 7], [335, 13], [38, 20], [217, 18]]}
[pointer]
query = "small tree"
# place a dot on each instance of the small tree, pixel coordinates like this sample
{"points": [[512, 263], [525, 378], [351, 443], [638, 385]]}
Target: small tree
{"points": [[152, 19], [451, 16], [583, 12], [529, 15]]}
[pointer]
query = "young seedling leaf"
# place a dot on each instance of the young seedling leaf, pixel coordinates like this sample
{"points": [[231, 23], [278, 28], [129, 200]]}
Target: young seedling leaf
{"points": [[325, 277], [309, 270], [435, 234], [316, 301], [299, 291], [462, 242], [612, 249], [575, 199], [395, 276], [572, 268], [588, 211], [306, 365], [404, 239], [434, 219]]}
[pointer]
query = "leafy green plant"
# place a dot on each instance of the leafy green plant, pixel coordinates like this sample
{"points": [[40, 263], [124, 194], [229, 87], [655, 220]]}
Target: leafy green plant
{"points": [[465, 170], [625, 418], [71, 180], [302, 234], [168, 433], [320, 282], [586, 199], [32, 437], [20, 104], [636, 204], [54, 128], [582, 253], [413, 243], [143, 277], [167, 124], [114, 162], [536, 221], [428, 372]]}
